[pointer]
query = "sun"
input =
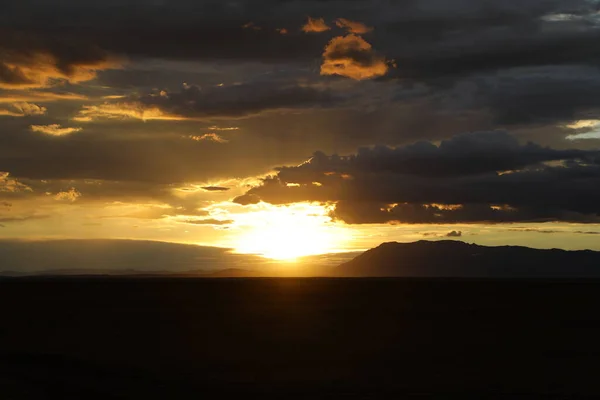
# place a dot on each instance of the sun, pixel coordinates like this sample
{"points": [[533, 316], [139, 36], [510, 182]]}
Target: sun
{"points": [[288, 233]]}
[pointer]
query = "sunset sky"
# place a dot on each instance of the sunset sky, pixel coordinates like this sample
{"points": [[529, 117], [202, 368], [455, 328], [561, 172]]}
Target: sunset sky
{"points": [[286, 128]]}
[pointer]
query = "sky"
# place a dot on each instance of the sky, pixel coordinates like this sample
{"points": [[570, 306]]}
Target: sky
{"points": [[286, 128]]}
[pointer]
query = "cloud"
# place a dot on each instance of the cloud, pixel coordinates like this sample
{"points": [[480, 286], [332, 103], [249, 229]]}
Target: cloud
{"points": [[454, 234], [9, 113], [54, 130], [30, 108], [14, 96], [584, 129], [209, 221], [11, 185], [247, 199], [195, 103], [131, 110], [28, 61], [22, 219], [211, 137], [215, 188], [353, 57], [227, 128], [353, 27], [440, 38], [471, 178], [23, 109], [70, 195], [530, 95], [463, 66], [315, 25], [553, 231]]}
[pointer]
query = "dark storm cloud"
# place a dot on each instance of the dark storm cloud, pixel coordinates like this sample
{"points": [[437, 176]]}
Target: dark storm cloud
{"points": [[480, 177], [454, 234], [215, 188], [463, 155], [175, 30], [225, 101], [547, 94], [430, 38], [237, 100], [476, 64], [435, 42]]}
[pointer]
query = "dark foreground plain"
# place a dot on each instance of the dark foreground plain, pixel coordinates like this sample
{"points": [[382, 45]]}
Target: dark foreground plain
{"points": [[125, 338]]}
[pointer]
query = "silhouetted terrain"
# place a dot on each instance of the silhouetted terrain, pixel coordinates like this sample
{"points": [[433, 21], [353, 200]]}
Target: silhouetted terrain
{"points": [[118, 338], [458, 259], [79, 257]]}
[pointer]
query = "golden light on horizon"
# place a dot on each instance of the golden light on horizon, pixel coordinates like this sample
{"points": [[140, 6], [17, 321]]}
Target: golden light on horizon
{"points": [[290, 232]]}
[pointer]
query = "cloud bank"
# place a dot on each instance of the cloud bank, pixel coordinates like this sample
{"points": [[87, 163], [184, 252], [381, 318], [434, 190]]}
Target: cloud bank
{"points": [[472, 178]]}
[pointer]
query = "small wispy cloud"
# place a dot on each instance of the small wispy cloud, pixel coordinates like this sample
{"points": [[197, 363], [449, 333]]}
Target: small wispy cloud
{"points": [[131, 110], [229, 128], [54, 129], [15, 96], [315, 25], [23, 109], [70, 195], [209, 221], [215, 188], [352, 26], [212, 137]]}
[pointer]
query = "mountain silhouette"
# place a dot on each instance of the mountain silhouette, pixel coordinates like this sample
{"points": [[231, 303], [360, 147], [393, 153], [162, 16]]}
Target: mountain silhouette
{"points": [[448, 258]]}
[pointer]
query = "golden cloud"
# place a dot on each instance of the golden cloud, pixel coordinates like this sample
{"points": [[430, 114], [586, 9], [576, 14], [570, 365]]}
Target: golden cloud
{"points": [[315, 25], [70, 195], [212, 137], [32, 95], [353, 26], [353, 57], [11, 185], [584, 124], [8, 113], [23, 109], [54, 130], [228, 128], [41, 70], [133, 110]]}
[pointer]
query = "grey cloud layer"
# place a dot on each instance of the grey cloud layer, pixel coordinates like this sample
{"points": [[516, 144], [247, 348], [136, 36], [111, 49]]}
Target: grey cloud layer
{"points": [[237, 100], [462, 66], [482, 177]]}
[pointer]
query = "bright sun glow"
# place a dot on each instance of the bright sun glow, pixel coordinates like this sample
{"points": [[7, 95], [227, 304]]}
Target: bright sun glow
{"points": [[287, 233]]}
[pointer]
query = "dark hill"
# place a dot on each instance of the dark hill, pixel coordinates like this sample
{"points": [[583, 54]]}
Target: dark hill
{"points": [[458, 259]]}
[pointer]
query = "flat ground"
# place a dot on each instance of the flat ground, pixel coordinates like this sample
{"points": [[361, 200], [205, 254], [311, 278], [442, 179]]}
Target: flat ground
{"points": [[297, 338]]}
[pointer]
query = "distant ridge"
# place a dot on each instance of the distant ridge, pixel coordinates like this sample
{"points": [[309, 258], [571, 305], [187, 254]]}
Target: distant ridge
{"points": [[450, 258], [78, 273]]}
